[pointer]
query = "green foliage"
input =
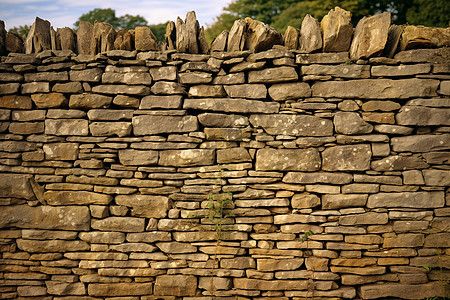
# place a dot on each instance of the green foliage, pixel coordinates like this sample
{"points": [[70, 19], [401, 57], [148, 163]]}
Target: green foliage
{"points": [[22, 30], [262, 10], [223, 22], [307, 235], [131, 22], [429, 13], [100, 14], [159, 30]]}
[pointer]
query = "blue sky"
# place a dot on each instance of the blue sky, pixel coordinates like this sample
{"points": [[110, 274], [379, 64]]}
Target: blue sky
{"points": [[63, 13]]}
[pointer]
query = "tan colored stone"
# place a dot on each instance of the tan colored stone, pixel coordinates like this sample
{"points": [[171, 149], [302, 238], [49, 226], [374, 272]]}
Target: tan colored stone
{"points": [[291, 38], [407, 199], [231, 105], [366, 218], [287, 91], [75, 197], [424, 37], [337, 30], [38, 38], [296, 125], [260, 36], [148, 206], [175, 285], [120, 289], [185, 158], [85, 36], [404, 240], [237, 36], [233, 155], [305, 200], [52, 246], [61, 151], [279, 264], [409, 115], [149, 124], [138, 157], [346, 158], [403, 291], [122, 224], [343, 200], [273, 75], [287, 160], [310, 35]]}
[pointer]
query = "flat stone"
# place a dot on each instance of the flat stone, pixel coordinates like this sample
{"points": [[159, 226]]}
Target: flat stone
{"points": [[343, 71], [366, 218], [424, 37], [50, 100], [423, 116], [407, 199], [404, 291], [45, 76], [139, 90], [436, 177], [109, 114], [233, 155], [272, 285], [120, 129], [164, 73], [9, 88], [126, 101], [66, 127], [343, 200], [176, 285], [399, 163], [103, 238], [289, 91], [121, 224], [437, 240], [149, 124], [65, 288], [120, 289], [287, 160], [138, 157], [260, 36], [127, 78], [421, 143], [61, 151], [89, 101], [376, 88], [402, 70], [15, 101], [148, 206], [222, 120], [231, 105], [45, 217], [296, 125], [51, 246], [346, 158], [322, 58], [186, 158], [370, 36], [351, 123], [305, 200], [158, 102], [310, 35], [318, 177], [384, 105], [251, 91], [273, 75], [167, 88], [337, 30], [76, 197], [35, 87], [227, 134], [207, 91]]}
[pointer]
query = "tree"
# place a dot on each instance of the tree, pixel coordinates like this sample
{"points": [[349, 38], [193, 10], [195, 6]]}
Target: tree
{"points": [[131, 22], [22, 30], [424, 12], [159, 30], [107, 15], [223, 22]]}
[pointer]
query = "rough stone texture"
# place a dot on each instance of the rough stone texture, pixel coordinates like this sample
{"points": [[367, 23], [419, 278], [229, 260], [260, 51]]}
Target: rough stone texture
{"points": [[231, 105], [423, 116], [175, 285], [371, 35], [184, 158], [237, 36], [38, 38], [260, 36], [287, 91], [287, 160], [403, 291], [346, 158], [50, 100], [120, 289], [421, 143], [350, 123], [296, 125], [291, 38], [145, 205], [337, 30], [406, 199], [145, 125], [144, 39], [85, 36], [424, 37]]}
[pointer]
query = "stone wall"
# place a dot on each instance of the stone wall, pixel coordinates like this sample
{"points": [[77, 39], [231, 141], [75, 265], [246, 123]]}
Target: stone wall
{"points": [[108, 164]]}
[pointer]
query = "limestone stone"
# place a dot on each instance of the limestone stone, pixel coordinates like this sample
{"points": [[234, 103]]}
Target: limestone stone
{"points": [[65, 288], [279, 264], [231, 105], [394, 34], [49, 100], [227, 134], [421, 143], [237, 36], [219, 43], [250, 91], [148, 206], [109, 114], [75, 197], [440, 240], [310, 38], [149, 124], [424, 37], [376, 88], [423, 116], [287, 160], [344, 71], [87, 75], [380, 105], [139, 90], [317, 177], [366, 218], [51, 246], [40, 217], [126, 101], [9, 88], [436, 177], [85, 36], [127, 78], [407, 199], [343, 200], [138, 157], [103, 37], [164, 73], [121, 224], [170, 36], [61, 151], [371, 35], [402, 70], [187, 34], [120, 129], [15, 101], [14, 43], [305, 200], [89, 101], [296, 125], [404, 291], [291, 38], [35, 87], [273, 75], [38, 38], [287, 91], [120, 289], [346, 158], [396, 162], [185, 158], [176, 285], [66, 39], [66, 127], [260, 36], [233, 155], [222, 120], [337, 30], [351, 123], [167, 88], [219, 283], [207, 91]]}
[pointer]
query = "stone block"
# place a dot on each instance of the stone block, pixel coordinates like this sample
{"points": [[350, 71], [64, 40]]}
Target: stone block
{"points": [[318, 177], [337, 30], [26, 127], [273, 75], [50, 100], [186, 158], [65, 288], [116, 89], [52, 246], [351, 123], [150, 124], [343, 71], [405, 240], [138, 157], [407, 199], [16, 186], [176, 285], [121, 224], [279, 264], [89, 101], [9, 88], [310, 35], [436, 177], [158, 102], [421, 143], [231, 105], [347, 158], [424, 37], [76, 198], [227, 134], [296, 125], [35, 87], [289, 91], [399, 163], [402, 70], [164, 73], [120, 129], [404, 291], [287, 160], [148, 206], [250, 91], [120, 289], [167, 88], [260, 36], [66, 127], [87, 75], [423, 116], [233, 155], [222, 120], [343, 200], [61, 151], [207, 91], [366, 218], [15, 102]]}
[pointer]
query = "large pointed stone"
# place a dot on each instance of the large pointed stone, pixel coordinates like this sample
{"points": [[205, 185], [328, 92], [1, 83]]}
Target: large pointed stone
{"points": [[394, 34], [55, 44], [370, 36], [144, 39], [193, 29], [237, 36], [85, 36], [104, 37], [310, 35], [66, 37], [182, 41], [2, 38], [14, 43], [291, 38], [260, 36], [202, 44], [337, 30], [424, 37], [351, 123], [220, 42], [170, 37], [38, 38], [124, 40]]}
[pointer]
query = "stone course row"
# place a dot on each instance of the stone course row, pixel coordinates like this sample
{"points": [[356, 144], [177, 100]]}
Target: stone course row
{"points": [[108, 162]]}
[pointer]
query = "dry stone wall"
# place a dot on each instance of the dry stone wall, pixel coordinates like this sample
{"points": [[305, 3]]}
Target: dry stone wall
{"points": [[334, 174]]}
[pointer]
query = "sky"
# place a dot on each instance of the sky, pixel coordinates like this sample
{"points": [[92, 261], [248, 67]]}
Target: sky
{"points": [[63, 13]]}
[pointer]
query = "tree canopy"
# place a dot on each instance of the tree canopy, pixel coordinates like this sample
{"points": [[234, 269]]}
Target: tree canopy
{"points": [[108, 15]]}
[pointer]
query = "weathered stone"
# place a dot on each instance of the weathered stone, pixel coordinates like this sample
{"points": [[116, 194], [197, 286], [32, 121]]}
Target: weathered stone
{"points": [[126, 101], [164, 73], [103, 37], [103, 238], [109, 114], [346, 158], [120, 129], [85, 37], [399, 163], [139, 90], [88, 75], [319, 177], [366, 218], [436, 177], [273, 285], [68, 88], [52, 246], [233, 155], [207, 91], [380, 105], [138, 157], [337, 30], [441, 240], [14, 101], [122, 224], [148, 124], [45, 217], [186, 158], [222, 120], [89, 101], [127, 78], [350, 123], [407, 199], [145, 205], [26, 127], [66, 39], [66, 127], [291, 38], [287, 160], [9, 88], [176, 285], [376, 88], [404, 291], [219, 43], [38, 38], [260, 36], [305, 200], [75, 197], [14, 43], [16, 185], [61, 151], [167, 88], [120, 289], [50, 100], [310, 35], [35, 87], [273, 75], [421, 143], [344, 71], [251, 91], [423, 116], [175, 247], [288, 91], [231, 105], [394, 34], [402, 70], [65, 288], [125, 40], [370, 36], [296, 125], [404, 240], [343, 200], [424, 37], [237, 36]]}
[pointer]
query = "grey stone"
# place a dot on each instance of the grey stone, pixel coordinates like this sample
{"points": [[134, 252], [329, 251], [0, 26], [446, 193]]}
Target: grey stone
{"points": [[260, 36], [120, 129], [222, 120], [399, 163], [103, 37], [376, 88], [149, 124], [273, 75], [423, 116], [351, 123], [237, 36], [287, 160], [421, 143], [186, 158], [370, 36], [436, 177], [394, 34], [14, 43], [89, 101], [85, 37], [138, 157], [66, 127], [35, 87], [164, 73], [407, 199], [251, 91], [38, 38], [344, 71], [220, 42], [231, 105], [347, 158], [310, 35], [127, 78], [66, 39], [68, 88], [125, 40], [289, 91], [167, 88], [296, 125]]}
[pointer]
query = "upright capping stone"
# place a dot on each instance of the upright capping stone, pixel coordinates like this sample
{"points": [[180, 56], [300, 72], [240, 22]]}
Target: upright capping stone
{"points": [[370, 36], [424, 37], [103, 37], [237, 36], [394, 34], [202, 43], [337, 30], [14, 43], [38, 38], [310, 35], [291, 38], [144, 39], [85, 37], [2, 38], [170, 37], [125, 40], [187, 34], [66, 38], [260, 36], [219, 44], [55, 44]]}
